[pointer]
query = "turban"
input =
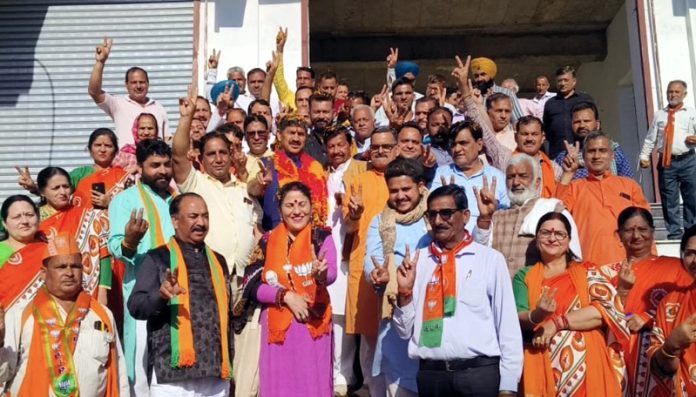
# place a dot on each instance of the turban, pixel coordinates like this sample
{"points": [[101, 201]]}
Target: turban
{"points": [[219, 88], [404, 67], [62, 244], [486, 65]]}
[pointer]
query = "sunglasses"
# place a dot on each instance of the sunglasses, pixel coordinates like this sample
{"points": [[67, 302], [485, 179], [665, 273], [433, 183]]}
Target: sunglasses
{"points": [[445, 214]]}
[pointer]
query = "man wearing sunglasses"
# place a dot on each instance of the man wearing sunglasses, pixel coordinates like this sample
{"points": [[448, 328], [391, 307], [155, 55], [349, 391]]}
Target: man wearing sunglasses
{"points": [[455, 306]]}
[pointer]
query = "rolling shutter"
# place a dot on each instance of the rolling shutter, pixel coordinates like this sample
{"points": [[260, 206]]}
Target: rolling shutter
{"points": [[46, 58]]}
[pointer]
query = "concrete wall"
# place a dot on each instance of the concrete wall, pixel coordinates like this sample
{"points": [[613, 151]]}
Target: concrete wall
{"points": [[245, 31], [609, 82]]}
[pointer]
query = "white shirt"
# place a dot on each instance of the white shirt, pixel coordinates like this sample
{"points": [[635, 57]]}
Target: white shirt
{"points": [[90, 357], [123, 111], [337, 290], [485, 320], [684, 125]]}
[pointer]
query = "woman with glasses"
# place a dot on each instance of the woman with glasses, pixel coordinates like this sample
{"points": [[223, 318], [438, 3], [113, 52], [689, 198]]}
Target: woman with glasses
{"points": [[564, 308], [642, 280]]}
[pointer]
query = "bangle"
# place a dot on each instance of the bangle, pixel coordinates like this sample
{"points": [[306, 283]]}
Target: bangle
{"points": [[664, 352], [529, 317], [405, 292], [280, 297], [566, 324]]}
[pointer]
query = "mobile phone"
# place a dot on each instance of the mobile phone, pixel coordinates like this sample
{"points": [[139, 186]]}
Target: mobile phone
{"points": [[98, 187]]}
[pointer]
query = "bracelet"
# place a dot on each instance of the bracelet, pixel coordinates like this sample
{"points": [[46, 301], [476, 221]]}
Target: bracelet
{"points": [[529, 317], [405, 292], [664, 352], [126, 246], [280, 297]]}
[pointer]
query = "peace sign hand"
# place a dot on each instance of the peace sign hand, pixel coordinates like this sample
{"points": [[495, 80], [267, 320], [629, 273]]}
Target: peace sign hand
{"points": [[135, 229], [461, 73], [571, 162], [355, 204], [319, 267], [445, 182], [214, 59], [187, 106], [546, 305], [224, 101], [264, 176], [170, 287], [379, 276], [25, 180], [392, 58], [406, 274], [429, 160], [281, 38], [485, 198], [103, 50], [627, 278]]}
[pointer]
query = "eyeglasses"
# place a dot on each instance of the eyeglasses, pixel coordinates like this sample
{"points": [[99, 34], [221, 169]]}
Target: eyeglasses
{"points": [[260, 134], [385, 147], [445, 213], [644, 231], [558, 234]]}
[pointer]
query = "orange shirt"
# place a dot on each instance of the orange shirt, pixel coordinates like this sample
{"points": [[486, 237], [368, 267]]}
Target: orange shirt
{"points": [[595, 205], [362, 303]]}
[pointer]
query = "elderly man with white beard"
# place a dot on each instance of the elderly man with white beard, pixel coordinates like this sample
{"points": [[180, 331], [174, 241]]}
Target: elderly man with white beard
{"points": [[511, 231]]}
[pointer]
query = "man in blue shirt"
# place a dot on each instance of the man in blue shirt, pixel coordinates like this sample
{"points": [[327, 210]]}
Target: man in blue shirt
{"points": [[585, 120], [467, 170], [456, 308], [139, 222], [400, 224]]}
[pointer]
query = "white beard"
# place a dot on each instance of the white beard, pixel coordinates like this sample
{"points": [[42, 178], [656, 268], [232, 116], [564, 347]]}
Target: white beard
{"points": [[517, 199]]}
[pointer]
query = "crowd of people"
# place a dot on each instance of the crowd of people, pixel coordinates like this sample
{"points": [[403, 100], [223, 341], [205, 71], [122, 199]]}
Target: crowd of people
{"points": [[316, 241]]}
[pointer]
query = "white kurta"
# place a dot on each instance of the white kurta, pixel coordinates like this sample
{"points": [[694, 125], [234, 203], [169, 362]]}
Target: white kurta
{"points": [[90, 357]]}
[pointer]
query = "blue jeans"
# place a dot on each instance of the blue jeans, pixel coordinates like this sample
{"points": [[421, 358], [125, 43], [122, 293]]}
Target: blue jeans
{"points": [[679, 177]]}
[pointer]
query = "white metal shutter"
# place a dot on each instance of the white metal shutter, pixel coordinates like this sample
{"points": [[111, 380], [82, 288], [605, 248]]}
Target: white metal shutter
{"points": [[46, 58]]}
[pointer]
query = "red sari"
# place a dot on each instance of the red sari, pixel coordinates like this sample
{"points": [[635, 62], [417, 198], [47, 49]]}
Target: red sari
{"points": [[673, 310], [655, 278]]}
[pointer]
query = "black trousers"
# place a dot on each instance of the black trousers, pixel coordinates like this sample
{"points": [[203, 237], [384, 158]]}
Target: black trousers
{"points": [[436, 379]]}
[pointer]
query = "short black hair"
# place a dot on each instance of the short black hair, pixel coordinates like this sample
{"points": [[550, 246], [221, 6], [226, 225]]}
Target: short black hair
{"points": [[150, 147], [259, 102], [584, 105], [254, 71], [360, 94], [385, 130], [14, 199], [137, 69], [427, 99], [565, 70], [305, 69], [688, 234], [213, 135], [495, 97], [455, 191], [328, 76], [410, 124], [105, 132], [440, 109], [320, 96], [474, 129], [338, 132], [255, 118], [404, 167], [401, 81], [175, 205], [230, 127], [526, 120]]}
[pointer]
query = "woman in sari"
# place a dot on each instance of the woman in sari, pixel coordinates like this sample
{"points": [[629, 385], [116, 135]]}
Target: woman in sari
{"points": [[672, 354], [288, 276], [22, 253], [88, 225], [564, 307], [144, 127], [642, 280]]}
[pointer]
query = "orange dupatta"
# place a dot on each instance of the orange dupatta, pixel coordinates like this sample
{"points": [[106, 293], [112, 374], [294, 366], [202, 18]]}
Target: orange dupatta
{"points": [[291, 268], [312, 174], [538, 378], [38, 377], [20, 275], [113, 178]]}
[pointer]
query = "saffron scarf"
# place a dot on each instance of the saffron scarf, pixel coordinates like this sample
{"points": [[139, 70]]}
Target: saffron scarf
{"points": [[50, 362], [548, 176], [153, 218], [669, 136], [20, 276], [291, 268], [441, 293], [387, 232], [538, 378], [181, 331], [312, 174], [113, 178]]}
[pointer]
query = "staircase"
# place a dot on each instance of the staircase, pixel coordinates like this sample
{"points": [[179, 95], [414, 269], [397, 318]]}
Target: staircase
{"points": [[664, 246]]}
